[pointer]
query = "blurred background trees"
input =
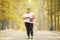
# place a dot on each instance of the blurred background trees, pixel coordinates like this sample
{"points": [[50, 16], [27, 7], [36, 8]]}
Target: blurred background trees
{"points": [[47, 13]]}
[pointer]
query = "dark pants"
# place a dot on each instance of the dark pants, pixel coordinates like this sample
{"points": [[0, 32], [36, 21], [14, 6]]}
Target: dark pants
{"points": [[29, 28]]}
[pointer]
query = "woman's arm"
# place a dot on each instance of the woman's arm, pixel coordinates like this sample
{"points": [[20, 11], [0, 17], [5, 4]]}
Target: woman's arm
{"points": [[33, 17]]}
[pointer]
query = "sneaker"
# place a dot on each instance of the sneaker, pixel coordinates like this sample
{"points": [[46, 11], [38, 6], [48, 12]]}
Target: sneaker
{"points": [[29, 37], [32, 37]]}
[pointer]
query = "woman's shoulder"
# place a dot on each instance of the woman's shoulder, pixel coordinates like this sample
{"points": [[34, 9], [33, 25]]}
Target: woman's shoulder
{"points": [[32, 13]]}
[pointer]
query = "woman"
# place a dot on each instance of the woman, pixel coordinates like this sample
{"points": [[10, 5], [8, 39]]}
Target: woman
{"points": [[29, 21]]}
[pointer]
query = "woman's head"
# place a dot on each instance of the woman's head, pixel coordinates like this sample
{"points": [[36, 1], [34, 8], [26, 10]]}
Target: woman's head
{"points": [[28, 10]]}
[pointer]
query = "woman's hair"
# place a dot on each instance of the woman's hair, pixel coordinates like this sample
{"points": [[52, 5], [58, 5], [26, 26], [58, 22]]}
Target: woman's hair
{"points": [[28, 9]]}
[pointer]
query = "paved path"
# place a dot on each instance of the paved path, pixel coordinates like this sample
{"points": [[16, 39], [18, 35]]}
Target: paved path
{"points": [[38, 35]]}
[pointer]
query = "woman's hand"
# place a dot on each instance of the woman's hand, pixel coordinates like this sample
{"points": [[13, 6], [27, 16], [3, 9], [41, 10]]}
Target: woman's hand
{"points": [[26, 18], [31, 19]]}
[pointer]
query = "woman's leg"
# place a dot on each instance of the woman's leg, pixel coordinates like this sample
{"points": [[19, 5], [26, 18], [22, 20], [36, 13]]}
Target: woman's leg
{"points": [[27, 28], [31, 30]]}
